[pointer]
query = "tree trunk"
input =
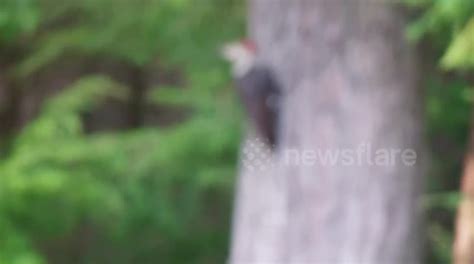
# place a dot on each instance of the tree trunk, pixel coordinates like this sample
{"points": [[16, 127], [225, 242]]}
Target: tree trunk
{"points": [[350, 83], [138, 89], [464, 241]]}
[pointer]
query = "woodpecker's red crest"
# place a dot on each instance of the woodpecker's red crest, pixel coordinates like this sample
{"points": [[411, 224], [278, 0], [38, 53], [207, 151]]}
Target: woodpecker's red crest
{"points": [[249, 45]]}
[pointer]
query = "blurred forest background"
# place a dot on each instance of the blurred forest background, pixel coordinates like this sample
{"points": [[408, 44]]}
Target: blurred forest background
{"points": [[119, 128]]}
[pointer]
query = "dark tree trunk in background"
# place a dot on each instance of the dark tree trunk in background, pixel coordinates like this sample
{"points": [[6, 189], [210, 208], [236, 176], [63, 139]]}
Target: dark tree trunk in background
{"points": [[138, 88], [350, 78], [10, 106], [10, 93]]}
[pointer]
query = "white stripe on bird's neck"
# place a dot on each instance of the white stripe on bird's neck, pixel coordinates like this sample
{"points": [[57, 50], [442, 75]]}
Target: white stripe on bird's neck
{"points": [[243, 65]]}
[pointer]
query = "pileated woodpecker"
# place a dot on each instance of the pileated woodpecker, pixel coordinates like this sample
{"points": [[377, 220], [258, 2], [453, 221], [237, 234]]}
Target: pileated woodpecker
{"points": [[257, 87]]}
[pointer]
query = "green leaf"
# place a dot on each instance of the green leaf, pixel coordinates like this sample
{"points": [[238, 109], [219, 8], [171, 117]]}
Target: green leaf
{"points": [[460, 53]]}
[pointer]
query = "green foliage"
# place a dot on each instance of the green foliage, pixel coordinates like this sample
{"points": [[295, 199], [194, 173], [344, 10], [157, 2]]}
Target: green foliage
{"points": [[447, 26], [450, 25], [149, 194], [460, 53], [440, 17], [17, 18], [150, 181], [448, 106], [171, 30]]}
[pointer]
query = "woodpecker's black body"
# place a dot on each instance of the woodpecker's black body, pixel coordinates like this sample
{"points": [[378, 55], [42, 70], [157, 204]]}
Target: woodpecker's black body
{"points": [[257, 88], [260, 94]]}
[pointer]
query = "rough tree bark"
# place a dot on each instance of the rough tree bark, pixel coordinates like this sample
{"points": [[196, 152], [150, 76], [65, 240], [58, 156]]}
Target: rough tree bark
{"points": [[350, 78]]}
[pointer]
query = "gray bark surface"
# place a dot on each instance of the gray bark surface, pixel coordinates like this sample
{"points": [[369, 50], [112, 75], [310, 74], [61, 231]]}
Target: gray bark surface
{"points": [[350, 78]]}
